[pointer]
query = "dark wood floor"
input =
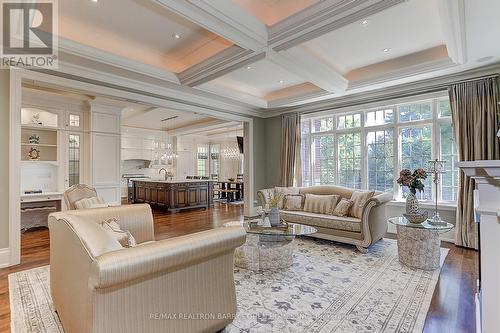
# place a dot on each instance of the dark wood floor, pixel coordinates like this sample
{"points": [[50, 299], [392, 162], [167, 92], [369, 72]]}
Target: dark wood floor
{"points": [[451, 310]]}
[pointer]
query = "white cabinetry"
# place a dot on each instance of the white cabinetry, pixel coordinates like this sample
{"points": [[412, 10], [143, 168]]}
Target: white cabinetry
{"points": [[105, 143], [143, 144]]}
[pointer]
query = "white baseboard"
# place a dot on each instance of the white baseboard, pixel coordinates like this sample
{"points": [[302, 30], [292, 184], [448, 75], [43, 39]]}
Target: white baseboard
{"points": [[4, 258], [448, 236]]}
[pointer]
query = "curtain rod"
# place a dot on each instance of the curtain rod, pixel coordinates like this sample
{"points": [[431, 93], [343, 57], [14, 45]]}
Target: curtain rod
{"points": [[475, 78]]}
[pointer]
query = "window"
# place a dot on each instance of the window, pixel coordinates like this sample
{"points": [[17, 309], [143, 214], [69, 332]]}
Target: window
{"points": [[349, 121], [449, 180], [323, 160], [380, 154], [416, 152], [349, 156], [418, 111], [366, 149], [202, 162], [215, 160], [379, 117], [74, 120]]}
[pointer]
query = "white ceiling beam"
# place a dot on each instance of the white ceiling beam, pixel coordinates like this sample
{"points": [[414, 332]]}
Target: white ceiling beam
{"points": [[302, 63], [452, 14], [137, 113], [201, 127], [224, 18]]}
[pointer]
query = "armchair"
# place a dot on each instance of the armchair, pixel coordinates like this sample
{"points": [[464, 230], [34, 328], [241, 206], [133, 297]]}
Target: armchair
{"points": [[158, 286]]}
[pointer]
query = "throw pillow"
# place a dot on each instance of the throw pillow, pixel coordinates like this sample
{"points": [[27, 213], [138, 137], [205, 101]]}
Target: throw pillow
{"points": [[124, 237], [343, 207], [284, 191], [94, 202], [321, 204], [293, 202], [359, 199]]}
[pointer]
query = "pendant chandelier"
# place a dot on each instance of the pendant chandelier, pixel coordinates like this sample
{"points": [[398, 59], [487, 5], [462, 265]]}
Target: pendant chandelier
{"points": [[229, 149], [170, 153]]}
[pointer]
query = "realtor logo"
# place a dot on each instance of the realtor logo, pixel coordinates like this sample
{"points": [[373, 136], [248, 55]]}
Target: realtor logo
{"points": [[29, 33]]}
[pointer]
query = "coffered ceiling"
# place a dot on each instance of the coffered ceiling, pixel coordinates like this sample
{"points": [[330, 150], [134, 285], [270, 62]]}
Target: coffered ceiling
{"points": [[266, 54]]}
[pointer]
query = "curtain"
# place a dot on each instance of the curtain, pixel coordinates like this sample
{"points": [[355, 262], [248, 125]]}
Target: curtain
{"points": [[475, 120], [290, 150]]}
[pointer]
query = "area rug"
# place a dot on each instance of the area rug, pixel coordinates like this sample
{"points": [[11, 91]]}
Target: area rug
{"points": [[330, 288]]}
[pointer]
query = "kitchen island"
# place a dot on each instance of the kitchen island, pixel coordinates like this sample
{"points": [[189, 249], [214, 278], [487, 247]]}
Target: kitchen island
{"points": [[174, 195]]}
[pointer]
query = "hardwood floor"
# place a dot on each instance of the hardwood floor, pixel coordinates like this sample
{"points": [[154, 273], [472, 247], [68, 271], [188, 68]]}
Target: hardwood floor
{"points": [[451, 309]]}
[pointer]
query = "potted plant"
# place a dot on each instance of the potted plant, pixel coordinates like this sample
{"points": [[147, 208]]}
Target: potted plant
{"points": [[414, 181], [274, 199]]}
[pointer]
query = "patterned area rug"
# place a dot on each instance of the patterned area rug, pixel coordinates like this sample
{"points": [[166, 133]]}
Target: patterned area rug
{"points": [[330, 288]]}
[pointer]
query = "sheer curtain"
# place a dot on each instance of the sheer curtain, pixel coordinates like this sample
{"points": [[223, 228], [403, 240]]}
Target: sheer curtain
{"points": [[474, 106], [290, 150]]}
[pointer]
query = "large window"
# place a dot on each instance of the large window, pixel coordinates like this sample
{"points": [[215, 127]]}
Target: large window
{"points": [[366, 149]]}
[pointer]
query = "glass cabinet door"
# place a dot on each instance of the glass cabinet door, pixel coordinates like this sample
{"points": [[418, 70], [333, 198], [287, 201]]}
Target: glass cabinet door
{"points": [[74, 158]]}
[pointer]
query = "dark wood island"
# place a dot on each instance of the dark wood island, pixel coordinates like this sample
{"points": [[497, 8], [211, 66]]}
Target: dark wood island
{"points": [[174, 195]]}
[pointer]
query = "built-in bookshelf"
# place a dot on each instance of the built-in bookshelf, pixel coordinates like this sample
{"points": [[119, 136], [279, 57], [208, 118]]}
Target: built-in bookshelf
{"points": [[39, 144]]}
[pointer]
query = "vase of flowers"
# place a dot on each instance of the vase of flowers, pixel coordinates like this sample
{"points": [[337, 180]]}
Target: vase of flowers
{"points": [[414, 181], [274, 200]]}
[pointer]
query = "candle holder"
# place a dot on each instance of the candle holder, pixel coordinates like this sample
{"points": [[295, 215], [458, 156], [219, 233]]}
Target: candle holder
{"points": [[436, 167]]}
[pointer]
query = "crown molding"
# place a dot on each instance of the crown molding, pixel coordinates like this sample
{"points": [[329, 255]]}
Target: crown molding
{"points": [[387, 93], [234, 94], [402, 73], [223, 18], [321, 18], [288, 101], [220, 64], [87, 52], [452, 15]]}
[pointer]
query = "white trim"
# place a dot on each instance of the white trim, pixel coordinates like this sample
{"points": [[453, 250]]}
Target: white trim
{"points": [[4, 257], [14, 167], [452, 14]]}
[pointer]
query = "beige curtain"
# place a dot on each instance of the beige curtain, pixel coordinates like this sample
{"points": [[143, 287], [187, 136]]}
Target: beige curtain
{"points": [[474, 106], [290, 150]]}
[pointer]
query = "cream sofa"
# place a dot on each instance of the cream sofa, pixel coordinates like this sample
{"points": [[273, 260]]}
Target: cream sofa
{"points": [[360, 232], [183, 284]]}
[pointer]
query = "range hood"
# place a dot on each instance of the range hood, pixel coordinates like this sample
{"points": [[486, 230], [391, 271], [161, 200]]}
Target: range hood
{"points": [[146, 163]]}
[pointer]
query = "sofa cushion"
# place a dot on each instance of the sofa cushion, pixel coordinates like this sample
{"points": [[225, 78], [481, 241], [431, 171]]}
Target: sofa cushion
{"points": [[284, 191], [343, 207], [293, 202], [124, 237], [322, 204], [94, 202], [359, 199], [323, 220]]}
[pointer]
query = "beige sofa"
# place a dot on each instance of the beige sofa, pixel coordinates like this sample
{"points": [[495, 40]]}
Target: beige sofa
{"points": [[183, 284], [360, 232]]}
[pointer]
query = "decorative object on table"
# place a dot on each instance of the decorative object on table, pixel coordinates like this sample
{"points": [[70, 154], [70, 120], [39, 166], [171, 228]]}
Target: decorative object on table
{"points": [[35, 119], [417, 218], [436, 167], [275, 197], [34, 154], [414, 183], [34, 139], [231, 179]]}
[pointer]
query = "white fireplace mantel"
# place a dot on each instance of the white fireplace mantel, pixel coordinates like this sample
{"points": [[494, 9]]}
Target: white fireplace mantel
{"points": [[487, 177]]}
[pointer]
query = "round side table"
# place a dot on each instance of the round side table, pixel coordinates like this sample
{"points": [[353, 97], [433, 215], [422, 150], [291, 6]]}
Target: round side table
{"points": [[419, 244]]}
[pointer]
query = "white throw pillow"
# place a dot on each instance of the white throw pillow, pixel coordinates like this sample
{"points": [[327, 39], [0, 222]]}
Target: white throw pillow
{"points": [[321, 204], [359, 198], [94, 202], [284, 191], [124, 237], [293, 202]]}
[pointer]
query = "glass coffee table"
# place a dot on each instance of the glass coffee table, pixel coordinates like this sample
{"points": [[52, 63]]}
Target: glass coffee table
{"points": [[419, 244], [268, 248]]}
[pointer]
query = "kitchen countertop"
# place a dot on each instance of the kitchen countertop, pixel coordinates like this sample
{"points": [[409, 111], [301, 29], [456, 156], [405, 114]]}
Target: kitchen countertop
{"points": [[174, 181]]}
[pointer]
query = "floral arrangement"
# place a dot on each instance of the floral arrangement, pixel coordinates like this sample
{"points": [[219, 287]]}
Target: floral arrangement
{"points": [[274, 198], [412, 180]]}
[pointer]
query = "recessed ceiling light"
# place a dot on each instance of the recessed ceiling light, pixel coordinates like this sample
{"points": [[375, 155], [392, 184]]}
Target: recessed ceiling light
{"points": [[95, 0], [365, 22], [177, 36], [483, 59], [386, 50], [281, 81], [249, 67]]}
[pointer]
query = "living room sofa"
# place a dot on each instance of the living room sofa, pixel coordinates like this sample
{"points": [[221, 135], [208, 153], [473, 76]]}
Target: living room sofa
{"points": [[182, 284], [361, 232]]}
